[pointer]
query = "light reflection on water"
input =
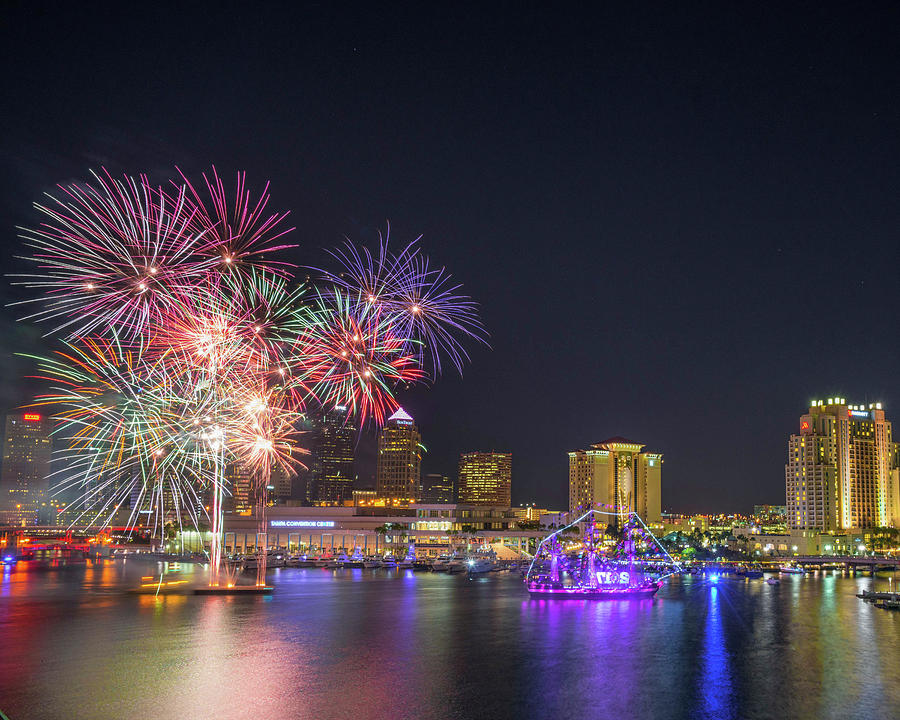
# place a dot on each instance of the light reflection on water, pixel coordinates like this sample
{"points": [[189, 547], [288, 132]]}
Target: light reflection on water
{"points": [[376, 644]]}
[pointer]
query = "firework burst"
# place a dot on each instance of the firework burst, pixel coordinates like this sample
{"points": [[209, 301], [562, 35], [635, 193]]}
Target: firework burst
{"points": [[113, 254], [423, 303]]}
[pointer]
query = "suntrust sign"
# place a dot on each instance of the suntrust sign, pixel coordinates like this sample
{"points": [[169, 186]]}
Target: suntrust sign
{"points": [[301, 523]]}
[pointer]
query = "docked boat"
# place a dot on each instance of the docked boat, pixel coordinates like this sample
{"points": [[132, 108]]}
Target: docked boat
{"points": [[481, 562], [441, 564], [371, 563], [423, 565], [456, 565], [338, 563], [476, 566], [356, 561], [388, 561], [409, 559]]}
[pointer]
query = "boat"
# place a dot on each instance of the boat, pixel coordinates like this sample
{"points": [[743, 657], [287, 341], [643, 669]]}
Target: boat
{"points": [[476, 566], [371, 563], [773, 581], [337, 563], [792, 570], [408, 562], [596, 570], [456, 565], [481, 562], [441, 564], [423, 565], [356, 561], [388, 561], [644, 590]]}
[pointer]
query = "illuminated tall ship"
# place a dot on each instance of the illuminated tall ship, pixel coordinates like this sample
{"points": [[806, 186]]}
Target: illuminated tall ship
{"points": [[586, 560]]}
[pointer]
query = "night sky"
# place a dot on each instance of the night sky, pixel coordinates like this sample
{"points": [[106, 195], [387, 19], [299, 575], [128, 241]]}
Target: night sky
{"points": [[681, 222]]}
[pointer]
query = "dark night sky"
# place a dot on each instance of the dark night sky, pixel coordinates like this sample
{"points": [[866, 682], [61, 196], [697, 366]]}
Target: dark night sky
{"points": [[681, 222]]}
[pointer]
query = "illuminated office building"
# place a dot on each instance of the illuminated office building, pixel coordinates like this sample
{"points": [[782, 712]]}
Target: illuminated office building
{"points": [[485, 478], [332, 461], [26, 466], [616, 476], [399, 461], [841, 471], [239, 479], [437, 488]]}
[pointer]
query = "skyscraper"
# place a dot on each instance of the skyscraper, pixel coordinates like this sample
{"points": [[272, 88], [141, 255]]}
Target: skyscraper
{"points": [[398, 466], [239, 478], [26, 466], [332, 470], [437, 488], [619, 475], [841, 471], [485, 478]]}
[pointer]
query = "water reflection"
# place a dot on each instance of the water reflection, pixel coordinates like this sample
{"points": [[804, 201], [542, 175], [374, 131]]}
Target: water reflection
{"points": [[372, 644], [716, 688]]}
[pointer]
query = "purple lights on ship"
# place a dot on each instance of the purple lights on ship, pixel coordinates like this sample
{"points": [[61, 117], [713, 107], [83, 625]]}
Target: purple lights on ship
{"points": [[590, 560]]}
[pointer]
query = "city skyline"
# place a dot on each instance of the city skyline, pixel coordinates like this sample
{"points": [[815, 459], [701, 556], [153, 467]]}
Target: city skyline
{"points": [[698, 212]]}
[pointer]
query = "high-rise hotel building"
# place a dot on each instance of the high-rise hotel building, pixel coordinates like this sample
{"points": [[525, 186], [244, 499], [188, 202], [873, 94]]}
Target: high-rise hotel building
{"points": [[616, 476], [26, 467], [398, 466], [842, 471], [485, 478]]}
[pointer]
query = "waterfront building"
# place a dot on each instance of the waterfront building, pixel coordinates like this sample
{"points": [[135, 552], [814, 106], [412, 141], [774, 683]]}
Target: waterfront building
{"points": [[25, 469], [437, 488], [433, 529], [616, 475], [399, 462], [841, 471], [485, 478], [685, 524]]}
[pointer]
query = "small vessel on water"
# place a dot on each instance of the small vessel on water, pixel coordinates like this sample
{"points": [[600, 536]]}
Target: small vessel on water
{"points": [[481, 562], [337, 563], [408, 562], [274, 559], [792, 570], [595, 568]]}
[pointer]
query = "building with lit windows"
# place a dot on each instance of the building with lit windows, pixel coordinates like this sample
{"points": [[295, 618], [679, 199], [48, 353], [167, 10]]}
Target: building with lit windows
{"points": [[616, 474], [239, 479], [485, 478], [332, 459], [399, 462], [26, 467], [437, 488], [429, 530], [841, 471]]}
